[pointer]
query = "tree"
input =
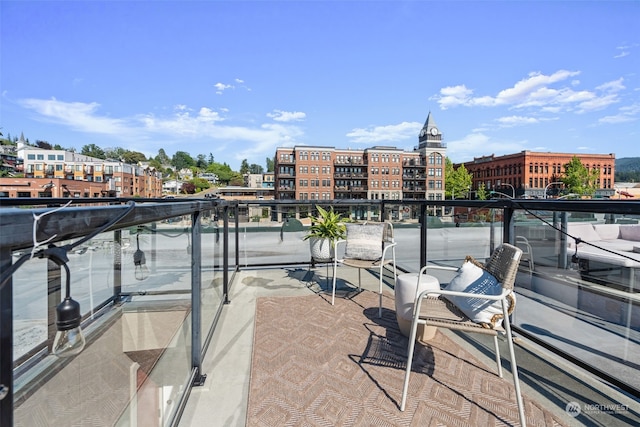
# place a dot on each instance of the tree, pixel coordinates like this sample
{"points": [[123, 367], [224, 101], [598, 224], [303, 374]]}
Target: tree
{"points": [[43, 144], [201, 162], [200, 184], [133, 157], [162, 157], [188, 188], [481, 192], [114, 153], [182, 160], [580, 180], [457, 182], [92, 150], [270, 164], [244, 167], [254, 168], [223, 171]]}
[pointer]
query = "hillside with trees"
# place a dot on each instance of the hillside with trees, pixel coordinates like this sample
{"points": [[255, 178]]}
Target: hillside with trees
{"points": [[628, 169]]}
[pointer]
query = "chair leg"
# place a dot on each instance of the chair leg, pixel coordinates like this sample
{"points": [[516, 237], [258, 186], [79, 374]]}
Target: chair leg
{"points": [[380, 294], [411, 347], [333, 292], [498, 360], [514, 366]]}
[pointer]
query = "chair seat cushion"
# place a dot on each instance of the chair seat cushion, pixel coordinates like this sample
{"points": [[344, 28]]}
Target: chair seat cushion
{"points": [[364, 241], [473, 278]]}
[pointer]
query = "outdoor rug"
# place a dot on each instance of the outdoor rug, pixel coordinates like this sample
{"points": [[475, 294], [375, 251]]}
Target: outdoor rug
{"points": [[315, 364]]}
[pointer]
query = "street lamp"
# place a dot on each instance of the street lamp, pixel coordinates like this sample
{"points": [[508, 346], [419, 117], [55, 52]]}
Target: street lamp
{"points": [[549, 185], [513, 189]]}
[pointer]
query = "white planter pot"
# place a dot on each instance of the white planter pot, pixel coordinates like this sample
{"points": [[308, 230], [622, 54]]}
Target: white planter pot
{"points": [[321, 249]]}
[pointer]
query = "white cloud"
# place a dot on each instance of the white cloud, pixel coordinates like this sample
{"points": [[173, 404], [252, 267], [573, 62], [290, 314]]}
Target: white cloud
{"points": [[537, 91], [388, 133], [516, 121], [77, 115], [221, 87], [478, 145], [625, 114], [612, 86], [287, 116]]}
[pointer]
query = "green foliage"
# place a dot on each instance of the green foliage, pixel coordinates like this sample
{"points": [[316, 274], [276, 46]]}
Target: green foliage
{"points": [[481, 192], [578, 179], [457, 182], [223, 171], [93, 150], [244, 167], [200, 184], [271, 162], [182, 160], [328, 224], [133, 157]]}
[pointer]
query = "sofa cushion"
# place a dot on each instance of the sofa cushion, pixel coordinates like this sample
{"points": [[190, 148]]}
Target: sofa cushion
{"points": [[630, 232], [607, 231], [584, 231]]}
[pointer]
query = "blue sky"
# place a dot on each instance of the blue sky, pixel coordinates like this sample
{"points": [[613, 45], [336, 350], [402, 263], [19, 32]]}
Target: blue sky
{"points": [[238, 79]]}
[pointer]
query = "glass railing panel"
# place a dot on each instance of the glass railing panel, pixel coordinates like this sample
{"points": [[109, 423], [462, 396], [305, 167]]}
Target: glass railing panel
{"points": [[30, 319], [584, 300], [212, 275]]}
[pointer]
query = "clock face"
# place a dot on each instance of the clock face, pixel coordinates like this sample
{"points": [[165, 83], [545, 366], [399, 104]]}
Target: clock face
{"points": [[422, 132], [434, 131]]}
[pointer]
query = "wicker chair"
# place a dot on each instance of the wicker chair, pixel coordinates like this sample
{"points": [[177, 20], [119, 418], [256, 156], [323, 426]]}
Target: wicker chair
{"points": [[434, 310], [366, 246]]}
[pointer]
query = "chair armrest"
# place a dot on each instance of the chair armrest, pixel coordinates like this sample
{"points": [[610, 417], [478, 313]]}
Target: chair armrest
{"points": [[502, 295], [387, 246], [424, 269]]}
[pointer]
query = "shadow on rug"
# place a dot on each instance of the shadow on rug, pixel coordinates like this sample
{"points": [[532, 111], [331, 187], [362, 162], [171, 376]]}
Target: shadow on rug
{"points": [[315, 364]]}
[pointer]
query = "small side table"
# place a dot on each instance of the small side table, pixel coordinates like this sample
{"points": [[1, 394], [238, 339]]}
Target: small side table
{"points": [[405, 294]]}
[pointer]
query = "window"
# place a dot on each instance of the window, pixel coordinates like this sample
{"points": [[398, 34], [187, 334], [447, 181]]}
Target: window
{"points": [[51, 156]]}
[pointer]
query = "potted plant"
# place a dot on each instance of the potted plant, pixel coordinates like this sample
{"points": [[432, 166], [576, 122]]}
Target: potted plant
{"points": [[325, 230]]}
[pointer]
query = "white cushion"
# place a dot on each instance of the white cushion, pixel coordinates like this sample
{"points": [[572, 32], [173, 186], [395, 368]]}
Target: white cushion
{"points": [[607, 231], [630, 232], [584, 231], [364, 241], [474, 279]]}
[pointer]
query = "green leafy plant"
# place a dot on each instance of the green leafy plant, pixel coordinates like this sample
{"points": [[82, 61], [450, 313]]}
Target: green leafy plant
{"points": [[328, 224]]}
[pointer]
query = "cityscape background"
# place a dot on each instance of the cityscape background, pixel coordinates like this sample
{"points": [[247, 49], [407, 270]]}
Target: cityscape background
{"points": [[239, 79]]}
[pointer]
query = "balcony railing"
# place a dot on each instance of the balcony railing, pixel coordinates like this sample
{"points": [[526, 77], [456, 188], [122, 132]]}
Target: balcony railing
{"points": [[148, 325]]}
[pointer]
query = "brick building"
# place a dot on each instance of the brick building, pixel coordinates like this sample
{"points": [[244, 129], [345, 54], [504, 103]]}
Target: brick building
{"points": [[60, 173], [320, 173], [532, 174]]}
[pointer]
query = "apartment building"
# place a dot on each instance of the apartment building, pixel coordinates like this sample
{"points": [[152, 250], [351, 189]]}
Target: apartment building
{"points": [[61, 173], [318, 173], [535, 174]]}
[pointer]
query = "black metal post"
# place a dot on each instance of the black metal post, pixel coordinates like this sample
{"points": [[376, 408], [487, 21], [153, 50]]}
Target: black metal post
{"points": [[225, 254], [6, 342], [423, 234], [196, 298]]}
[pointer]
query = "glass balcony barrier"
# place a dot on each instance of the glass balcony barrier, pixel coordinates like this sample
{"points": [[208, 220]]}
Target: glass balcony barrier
{"points": [[143, 283]]}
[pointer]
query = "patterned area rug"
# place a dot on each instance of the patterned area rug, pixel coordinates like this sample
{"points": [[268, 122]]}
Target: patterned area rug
{"points": [[320, 365]]}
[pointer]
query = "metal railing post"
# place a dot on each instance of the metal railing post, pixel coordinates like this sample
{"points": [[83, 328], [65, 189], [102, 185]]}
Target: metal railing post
{"points": [[196, 298], [423, 234], [6, 342], [225, 254]]}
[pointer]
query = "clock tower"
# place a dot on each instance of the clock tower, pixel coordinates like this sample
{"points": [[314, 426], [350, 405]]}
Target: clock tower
{"points": [[430, 135], [432, 153]]}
